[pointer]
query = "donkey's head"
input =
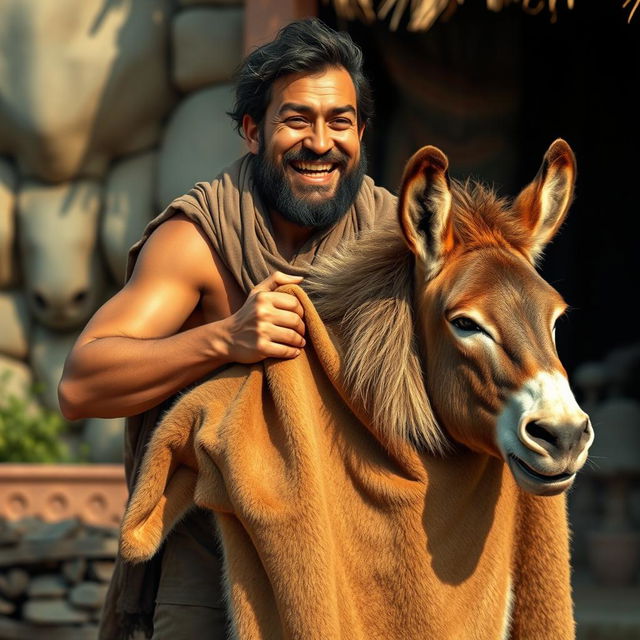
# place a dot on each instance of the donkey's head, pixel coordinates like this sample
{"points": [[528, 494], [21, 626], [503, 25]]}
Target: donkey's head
{"points": [[487, 317]]}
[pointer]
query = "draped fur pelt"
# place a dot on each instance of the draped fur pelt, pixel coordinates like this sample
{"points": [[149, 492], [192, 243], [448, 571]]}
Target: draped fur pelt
{"points": [[333, 529]]}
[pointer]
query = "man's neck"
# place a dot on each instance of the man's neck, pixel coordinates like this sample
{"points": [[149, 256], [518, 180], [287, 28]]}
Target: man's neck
{"points": [[289, 236]]}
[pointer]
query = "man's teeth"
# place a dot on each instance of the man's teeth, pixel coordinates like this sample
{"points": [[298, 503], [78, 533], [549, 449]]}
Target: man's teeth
{"points": [[312, 168]]}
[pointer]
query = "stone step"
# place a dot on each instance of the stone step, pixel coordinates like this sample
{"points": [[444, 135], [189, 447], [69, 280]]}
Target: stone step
{"points": [[52, 612], [17, 630], [34, 552]]}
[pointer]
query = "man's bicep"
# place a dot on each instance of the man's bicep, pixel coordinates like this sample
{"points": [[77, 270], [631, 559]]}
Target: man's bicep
{"points": [[163, 290]]}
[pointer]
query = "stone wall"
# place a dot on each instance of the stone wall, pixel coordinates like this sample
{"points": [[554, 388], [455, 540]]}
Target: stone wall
{"points": [[53, 578], [107, 112]]}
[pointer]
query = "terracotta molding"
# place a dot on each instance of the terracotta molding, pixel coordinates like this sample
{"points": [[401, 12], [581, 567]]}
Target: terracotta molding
{"points": [[95, 493]]}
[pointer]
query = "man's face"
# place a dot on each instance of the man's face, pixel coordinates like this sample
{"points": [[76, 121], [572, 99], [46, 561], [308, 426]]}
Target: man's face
{"points": [[310, 164]]}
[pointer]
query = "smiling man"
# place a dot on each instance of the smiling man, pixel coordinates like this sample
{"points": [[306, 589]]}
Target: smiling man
{"points": [[201, 291], [311, 185]]}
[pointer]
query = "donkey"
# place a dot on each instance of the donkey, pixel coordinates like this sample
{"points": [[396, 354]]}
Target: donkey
{"points": [[463, 269], [405, 478], [447, 334]]}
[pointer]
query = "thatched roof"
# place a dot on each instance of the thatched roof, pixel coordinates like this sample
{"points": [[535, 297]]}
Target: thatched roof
{"points": [[633, 10], [423, 13]]}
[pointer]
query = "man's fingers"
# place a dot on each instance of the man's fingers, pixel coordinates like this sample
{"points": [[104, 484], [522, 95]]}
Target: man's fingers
{"points": [[275, 280], [269, 300], [276, 350], [284, 278], [287, 319], [287, 337], [286, 302]]}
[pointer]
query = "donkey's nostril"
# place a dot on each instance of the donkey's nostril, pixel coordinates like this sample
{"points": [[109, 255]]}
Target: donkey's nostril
{"points": [[587, 432], [539, 433], [557, 438]]}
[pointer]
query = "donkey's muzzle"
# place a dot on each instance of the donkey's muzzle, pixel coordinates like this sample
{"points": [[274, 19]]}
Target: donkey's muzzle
{"points": [[561, 439]]}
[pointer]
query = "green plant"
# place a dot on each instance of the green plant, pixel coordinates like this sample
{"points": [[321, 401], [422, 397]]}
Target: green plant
{"points": [[28, 432]]}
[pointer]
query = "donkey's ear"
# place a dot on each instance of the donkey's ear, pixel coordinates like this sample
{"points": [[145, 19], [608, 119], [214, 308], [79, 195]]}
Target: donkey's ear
{"points": [[425, 208], [543, 204]]}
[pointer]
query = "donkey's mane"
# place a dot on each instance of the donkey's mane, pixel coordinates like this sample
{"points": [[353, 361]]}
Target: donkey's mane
{"points": [[481, 218], [365, 293]]}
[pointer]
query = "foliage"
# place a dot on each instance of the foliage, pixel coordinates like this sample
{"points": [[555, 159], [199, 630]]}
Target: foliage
{"points": [[28, 432]]}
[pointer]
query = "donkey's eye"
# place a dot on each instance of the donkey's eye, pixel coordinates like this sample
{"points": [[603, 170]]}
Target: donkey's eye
{"points": [[466, 324]]}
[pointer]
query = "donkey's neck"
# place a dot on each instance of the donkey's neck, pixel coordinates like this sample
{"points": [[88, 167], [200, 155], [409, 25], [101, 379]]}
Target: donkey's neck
{"points": [[365, 293]]}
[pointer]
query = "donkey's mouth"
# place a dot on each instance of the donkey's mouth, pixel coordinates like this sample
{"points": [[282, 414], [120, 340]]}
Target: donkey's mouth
{"points": [[537, 476]]}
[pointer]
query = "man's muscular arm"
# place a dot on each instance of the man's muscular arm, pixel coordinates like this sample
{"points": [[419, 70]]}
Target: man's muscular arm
{"points": [[132, 354]]}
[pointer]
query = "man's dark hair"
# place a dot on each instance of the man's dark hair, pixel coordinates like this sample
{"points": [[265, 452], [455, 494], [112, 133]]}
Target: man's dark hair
{"points": [[302, 46]]}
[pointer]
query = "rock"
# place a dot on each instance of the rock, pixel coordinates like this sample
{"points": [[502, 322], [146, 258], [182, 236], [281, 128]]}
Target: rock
{"points": [[207, 46], [100, 531], [88, 595], [49, 350], [14, 583], [129, 204], [52, 531], [101, 570], [47, 586], [35, 554], [15, 322], [16, 380], [81, 83], [28, 525], [6, 607], [52, 611], [73, 443], [7, 224], [210, 3], [105, 439], [199, 141], [8, 536], [57, 221], [74, 570]]}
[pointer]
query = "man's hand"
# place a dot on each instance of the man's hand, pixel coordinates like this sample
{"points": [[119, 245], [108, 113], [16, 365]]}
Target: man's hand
{"points": [[268, 325]]}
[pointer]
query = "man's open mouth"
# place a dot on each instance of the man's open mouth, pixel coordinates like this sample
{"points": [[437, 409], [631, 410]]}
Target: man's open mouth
{"points": [[314, 169], [540, 477]]}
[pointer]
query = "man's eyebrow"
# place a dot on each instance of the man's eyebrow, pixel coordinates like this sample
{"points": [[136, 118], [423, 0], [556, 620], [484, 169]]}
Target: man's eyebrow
{"points": [[303, 108]]}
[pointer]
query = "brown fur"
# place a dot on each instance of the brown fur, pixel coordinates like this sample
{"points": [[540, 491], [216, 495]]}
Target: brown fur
{"points": [[366, 293], [334, 524]]}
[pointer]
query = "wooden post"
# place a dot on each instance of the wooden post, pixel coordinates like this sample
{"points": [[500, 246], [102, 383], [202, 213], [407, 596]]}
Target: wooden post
{"points": [[263, 18]]}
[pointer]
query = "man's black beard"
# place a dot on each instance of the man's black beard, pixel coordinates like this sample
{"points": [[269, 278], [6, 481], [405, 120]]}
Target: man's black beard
{"points": [[275, 190]]}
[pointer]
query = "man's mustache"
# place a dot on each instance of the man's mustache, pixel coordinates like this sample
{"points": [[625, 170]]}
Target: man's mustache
{"points": [[333, 156]]}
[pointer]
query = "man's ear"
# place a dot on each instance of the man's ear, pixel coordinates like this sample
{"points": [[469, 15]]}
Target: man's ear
{"points": [[251, 132], [361, 132], [425, 208]]}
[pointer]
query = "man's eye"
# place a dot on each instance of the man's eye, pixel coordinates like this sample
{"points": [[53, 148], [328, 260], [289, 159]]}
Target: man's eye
{"points": [[342, 123], [466, 324], [297, 120]]}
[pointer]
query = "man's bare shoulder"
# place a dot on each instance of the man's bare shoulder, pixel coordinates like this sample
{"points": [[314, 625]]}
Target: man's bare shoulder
{"points": [[178, 281], [178, 249]]}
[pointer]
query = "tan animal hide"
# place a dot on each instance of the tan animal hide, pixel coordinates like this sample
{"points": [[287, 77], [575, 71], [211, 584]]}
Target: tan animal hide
{"points": [[327, 535]]}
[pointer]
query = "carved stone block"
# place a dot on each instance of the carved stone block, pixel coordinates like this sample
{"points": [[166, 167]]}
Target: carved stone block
{"points": [[207, 46], [56, 221], [85, 82], [199, 142]]}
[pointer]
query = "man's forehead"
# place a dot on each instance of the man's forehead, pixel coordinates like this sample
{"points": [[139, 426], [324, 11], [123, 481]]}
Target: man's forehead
{"points": [[330, 87]]}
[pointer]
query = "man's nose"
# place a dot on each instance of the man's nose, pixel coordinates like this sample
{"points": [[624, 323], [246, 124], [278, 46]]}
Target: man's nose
{"points": [[319, 139]]}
